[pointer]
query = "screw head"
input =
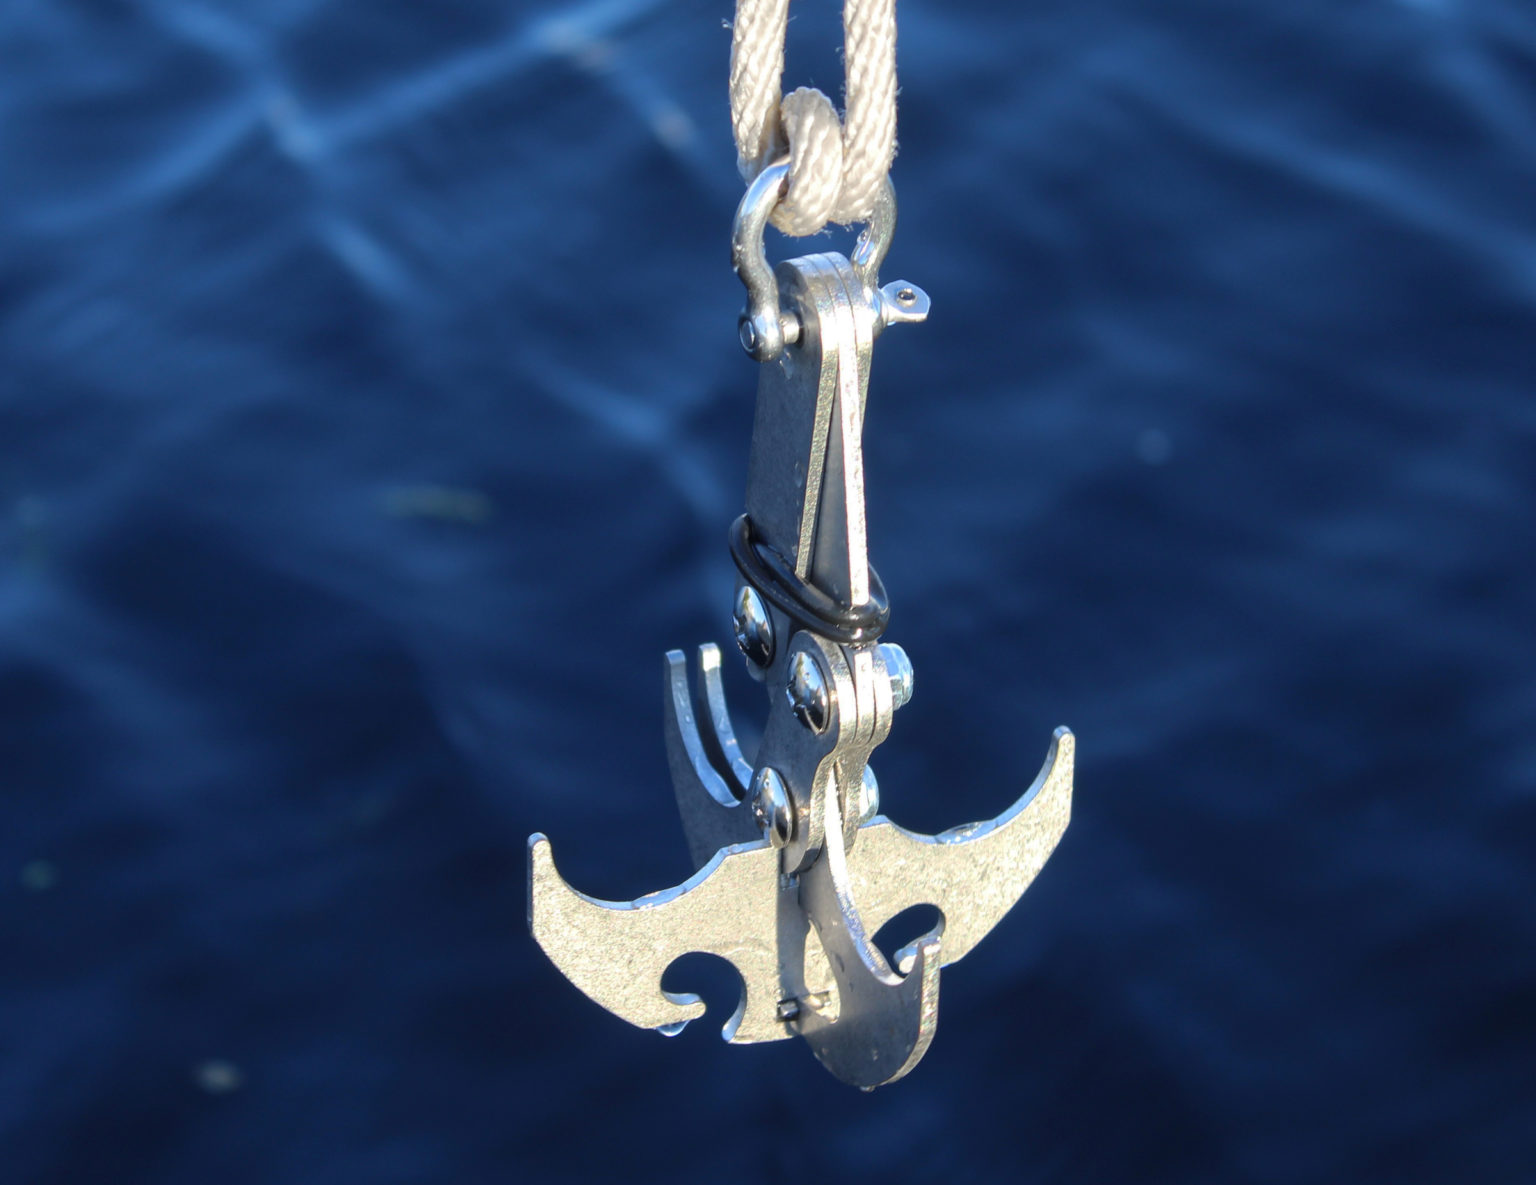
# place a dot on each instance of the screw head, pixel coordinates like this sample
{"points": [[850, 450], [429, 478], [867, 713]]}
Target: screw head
{"points": [[809, 696], [899, 669], [771, 806], [753, 626]]}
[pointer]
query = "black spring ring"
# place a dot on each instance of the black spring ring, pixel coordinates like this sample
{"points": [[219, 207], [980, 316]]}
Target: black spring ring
{"points": [[806, 605]]}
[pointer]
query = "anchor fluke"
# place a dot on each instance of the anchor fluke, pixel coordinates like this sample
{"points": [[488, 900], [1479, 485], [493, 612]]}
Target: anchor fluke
{"points": [[974, 874], [617, 951]]}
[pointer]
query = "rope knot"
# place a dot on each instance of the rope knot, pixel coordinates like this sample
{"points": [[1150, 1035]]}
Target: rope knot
{"points": [[836, 166]]}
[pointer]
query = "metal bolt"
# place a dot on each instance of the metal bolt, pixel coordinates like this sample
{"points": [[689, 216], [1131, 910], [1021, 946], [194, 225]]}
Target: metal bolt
{"points": [[748, 334], [899, 667], [753, 626], [869, 797], [808, 693], [771, 806]]}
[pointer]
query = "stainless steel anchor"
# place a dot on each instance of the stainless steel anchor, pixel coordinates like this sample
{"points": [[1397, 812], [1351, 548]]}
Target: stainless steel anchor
{"points": [[796, 870]]}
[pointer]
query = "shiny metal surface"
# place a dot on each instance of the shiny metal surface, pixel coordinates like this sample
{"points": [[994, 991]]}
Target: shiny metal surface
{"points": [[899, 669], [772, 808], [616, 952], [764, 327], [902, 303], [793, 422], [885, 1021], [840, 560], [809, 698], [752, 626], [796, 869], [974, 874], [719, 739], [869, 796], [737, 906], [811, 761], [805, 471], [875, 240], [710, 803]]}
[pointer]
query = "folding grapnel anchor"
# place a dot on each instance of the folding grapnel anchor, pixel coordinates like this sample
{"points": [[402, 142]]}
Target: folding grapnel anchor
{"points": [[795, 869]]}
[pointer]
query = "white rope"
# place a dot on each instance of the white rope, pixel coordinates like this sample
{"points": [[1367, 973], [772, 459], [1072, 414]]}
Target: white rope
{"points": [[836, 167]]}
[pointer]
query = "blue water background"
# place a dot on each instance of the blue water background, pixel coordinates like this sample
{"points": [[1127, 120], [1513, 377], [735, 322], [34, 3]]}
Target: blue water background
{"points": [[370, 421]]}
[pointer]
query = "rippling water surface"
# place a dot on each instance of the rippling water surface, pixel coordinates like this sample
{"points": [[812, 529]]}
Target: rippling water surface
{"points": [[370, 420]]}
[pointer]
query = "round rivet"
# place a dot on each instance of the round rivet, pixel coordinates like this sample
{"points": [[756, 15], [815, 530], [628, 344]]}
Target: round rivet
{"points": [[753, 626], [808, 692], [771, 806]]}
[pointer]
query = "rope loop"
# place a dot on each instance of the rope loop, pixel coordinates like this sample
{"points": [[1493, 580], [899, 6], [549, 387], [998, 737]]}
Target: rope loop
{"points": [[837, 166]]}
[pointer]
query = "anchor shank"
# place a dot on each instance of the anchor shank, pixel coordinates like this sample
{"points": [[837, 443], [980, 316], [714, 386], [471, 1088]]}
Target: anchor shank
{"points": [[805, 473]]}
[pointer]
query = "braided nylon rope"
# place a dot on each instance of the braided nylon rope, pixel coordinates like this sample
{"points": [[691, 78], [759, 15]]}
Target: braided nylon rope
{"points": [[836, 166]]}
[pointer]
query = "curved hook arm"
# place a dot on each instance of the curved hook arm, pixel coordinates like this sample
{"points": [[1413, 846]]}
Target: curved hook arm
{"points": [[885, 1021], [708, 799]]}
